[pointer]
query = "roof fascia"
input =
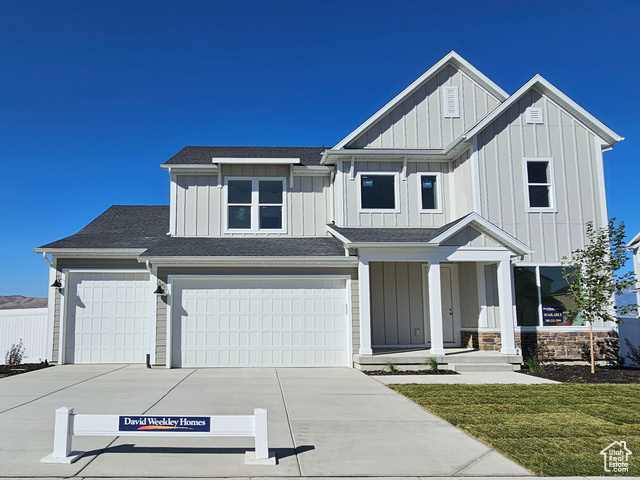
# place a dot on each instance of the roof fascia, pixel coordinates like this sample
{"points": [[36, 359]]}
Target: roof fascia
{"points": [[92, 252], [251, 261], [255, 161], [189, 167], [488, 228], [451, 58], [547, 88], [634, 241], [446, 154]]}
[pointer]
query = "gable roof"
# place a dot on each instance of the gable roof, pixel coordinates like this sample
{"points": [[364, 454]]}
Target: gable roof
{"points": [[309, 156], [547, 88], [452, 58], [433, 237]]}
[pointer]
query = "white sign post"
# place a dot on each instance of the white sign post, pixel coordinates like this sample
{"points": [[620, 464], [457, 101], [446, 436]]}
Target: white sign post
{"points": [[68, 424]]}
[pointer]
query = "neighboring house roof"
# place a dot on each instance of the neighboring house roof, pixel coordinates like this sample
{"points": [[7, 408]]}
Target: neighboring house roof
{"points": [[547, 88], [358, 237], [145, 228], [246, 247], [452, 58], [309, 156]]}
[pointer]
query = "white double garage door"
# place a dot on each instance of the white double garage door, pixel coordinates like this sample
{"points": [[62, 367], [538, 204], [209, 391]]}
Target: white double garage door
{"points": [[212, 321]]}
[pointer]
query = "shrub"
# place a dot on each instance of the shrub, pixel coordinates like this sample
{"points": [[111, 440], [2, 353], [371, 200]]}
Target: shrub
{"points": [[432, 363], [14, 355], [391, 367]]}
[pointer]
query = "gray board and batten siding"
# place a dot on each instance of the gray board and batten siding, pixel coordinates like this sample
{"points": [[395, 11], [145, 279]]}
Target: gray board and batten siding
{"points": [[200, 203], [577, 169], [418, 122]]}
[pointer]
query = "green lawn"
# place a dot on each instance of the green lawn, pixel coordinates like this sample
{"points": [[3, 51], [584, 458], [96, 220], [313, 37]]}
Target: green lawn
{"points": [[550, 429]]}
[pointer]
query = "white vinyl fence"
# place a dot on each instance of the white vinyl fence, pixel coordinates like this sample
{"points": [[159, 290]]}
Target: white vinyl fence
{"points": [[28, 324], [629, 329]]}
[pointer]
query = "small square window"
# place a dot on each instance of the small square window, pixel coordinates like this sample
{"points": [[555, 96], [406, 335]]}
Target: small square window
{"points": [[378, 192]]}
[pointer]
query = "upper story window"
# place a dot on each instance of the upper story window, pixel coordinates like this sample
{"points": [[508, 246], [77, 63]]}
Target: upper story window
{"points": [[378, 191], [256, 204], [540, 188], [430, 195]]}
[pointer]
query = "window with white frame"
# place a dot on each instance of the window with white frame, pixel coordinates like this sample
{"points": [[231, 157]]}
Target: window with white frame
{"points": [[256, 204], [540, 188], [430, 191], [543, 297], [378, 191]]}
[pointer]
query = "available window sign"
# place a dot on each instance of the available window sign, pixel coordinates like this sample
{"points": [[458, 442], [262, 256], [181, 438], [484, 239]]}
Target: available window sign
{"points": [[553, 316], [427, 183], [165, 424], [367, 182]]}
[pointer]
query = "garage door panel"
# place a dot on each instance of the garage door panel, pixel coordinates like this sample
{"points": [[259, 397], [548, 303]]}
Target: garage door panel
{"points": [[256, 323], [107, 317]]}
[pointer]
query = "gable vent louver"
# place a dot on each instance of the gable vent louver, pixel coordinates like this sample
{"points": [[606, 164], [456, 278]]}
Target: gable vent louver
{"points": [[534, 115], [451, 102]]}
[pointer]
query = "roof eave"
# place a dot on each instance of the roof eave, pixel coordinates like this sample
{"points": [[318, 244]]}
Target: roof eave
{"points": [[255, 261], [91, 252]]}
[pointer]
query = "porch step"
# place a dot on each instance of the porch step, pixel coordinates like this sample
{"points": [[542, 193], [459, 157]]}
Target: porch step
{"points": [[484, 367], [479, 358]]}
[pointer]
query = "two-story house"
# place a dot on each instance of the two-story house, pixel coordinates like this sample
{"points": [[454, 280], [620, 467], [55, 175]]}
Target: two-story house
{"points": [[440, 222]]}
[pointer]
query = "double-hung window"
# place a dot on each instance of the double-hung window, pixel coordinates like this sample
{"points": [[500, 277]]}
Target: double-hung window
{"points": [[256, 204], [378, 191], [540, 188]]}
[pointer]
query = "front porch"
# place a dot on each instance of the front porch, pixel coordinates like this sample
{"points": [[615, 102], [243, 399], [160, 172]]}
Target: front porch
{"points": [[456, 359]]}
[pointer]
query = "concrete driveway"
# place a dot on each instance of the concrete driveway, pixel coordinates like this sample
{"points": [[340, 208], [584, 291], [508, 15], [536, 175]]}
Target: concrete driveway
{"points": [[322, 422]]}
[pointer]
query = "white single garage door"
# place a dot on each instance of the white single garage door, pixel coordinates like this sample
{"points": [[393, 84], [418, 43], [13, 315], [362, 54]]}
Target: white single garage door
{"points": [[259, 322], [107, 317]]}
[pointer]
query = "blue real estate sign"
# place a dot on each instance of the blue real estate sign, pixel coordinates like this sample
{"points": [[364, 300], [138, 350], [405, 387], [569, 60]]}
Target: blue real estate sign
{"points": [[166, 424], [552, 316]]}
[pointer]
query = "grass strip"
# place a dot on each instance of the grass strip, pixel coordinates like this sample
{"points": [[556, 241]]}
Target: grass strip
{"points": [[555, 430]]}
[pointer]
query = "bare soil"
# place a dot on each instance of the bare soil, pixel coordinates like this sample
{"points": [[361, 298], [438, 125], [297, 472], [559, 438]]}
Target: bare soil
{"points": [[411, 372], [22, 368], [582, 374]]}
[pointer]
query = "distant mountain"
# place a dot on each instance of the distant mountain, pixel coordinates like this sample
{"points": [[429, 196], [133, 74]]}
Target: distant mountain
{"points": [[18, 301]]}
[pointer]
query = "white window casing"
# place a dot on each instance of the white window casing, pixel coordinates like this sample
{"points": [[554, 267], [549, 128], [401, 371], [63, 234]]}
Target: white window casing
{"points": [[396, 188], [255, 205], [550, 184], [450, 102], [437, 194]]}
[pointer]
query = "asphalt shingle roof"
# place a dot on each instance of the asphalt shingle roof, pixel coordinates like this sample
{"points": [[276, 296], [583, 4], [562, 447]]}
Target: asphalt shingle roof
{"points": [[309, 156], [249, 247], [147, 226], [392, 235]]}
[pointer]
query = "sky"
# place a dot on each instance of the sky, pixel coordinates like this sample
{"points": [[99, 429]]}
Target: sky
{"points": [[95, 95]]}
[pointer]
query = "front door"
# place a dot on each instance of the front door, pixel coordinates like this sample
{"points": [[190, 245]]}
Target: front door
{"points": [[450, 305]]}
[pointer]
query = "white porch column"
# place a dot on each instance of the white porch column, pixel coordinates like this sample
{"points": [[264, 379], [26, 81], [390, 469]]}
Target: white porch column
{"points": [[505, 299], [435, 308], [365, 307]]}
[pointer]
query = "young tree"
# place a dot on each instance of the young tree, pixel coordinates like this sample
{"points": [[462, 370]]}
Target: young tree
{"points": [[593, 278]]}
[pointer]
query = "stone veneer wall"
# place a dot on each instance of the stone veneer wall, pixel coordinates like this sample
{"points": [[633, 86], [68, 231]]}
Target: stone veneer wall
{"points": [[554, 345]]}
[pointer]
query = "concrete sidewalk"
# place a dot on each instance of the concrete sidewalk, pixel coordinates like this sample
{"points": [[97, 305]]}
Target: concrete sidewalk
{"points": [[469, 378], [323, 422]]}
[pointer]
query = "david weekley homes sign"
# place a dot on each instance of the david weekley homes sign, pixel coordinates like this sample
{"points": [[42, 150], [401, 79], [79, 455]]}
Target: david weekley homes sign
{"points": [[68, 424], [164, 424]]}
